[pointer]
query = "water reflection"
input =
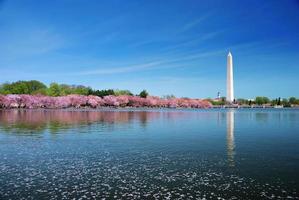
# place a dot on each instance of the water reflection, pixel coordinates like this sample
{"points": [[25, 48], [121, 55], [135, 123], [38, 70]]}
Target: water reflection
{"points": [[117, 154], [262, 117], [230, 142], [54, 120], [37, 121]]}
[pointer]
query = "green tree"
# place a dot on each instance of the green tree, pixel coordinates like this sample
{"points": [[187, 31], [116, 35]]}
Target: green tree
{"points": [[217, 103], [34, 86], [5, 88], [279, 101], [54, 90], [274, 102], [123, 92], [80, 89], [40, 92], [242, 101], [19, 87], [292, 100], [22, 87], [101, 93], [143, 94], [262, 100], [286, 103], [169, 96], [65, 89]]}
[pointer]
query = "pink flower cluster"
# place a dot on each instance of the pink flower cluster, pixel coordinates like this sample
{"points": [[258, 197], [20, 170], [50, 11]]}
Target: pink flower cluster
{"points": [[78, 101]]}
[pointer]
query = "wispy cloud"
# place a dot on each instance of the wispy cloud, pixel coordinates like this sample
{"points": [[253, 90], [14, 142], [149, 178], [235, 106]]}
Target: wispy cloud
{"points": [[171, 61], [181, 61], [194, 23], [200, 38], [117, 70], [28, 43], [188, 26], [161, 64]]}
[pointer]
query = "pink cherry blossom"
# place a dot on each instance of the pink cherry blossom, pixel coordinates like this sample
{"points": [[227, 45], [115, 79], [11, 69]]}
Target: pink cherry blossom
{"points": [[123, 100], [77, 101], [111, 101]]}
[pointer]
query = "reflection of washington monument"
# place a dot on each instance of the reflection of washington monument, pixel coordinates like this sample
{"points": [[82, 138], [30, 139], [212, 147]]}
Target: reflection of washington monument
{"points": [[230, 143]]}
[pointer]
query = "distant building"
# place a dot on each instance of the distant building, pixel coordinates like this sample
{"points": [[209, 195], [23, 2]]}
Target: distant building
{"points": [[218, 98]]}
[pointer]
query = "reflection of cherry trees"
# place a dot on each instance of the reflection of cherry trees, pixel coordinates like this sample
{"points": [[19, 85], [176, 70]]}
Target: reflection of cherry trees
{"points": [[63, 117], [39, 120], [77, 101]]}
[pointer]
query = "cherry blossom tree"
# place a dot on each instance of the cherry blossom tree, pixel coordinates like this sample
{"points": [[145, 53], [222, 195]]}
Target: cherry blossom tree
{"points": [[111, 100], [77, 101]]}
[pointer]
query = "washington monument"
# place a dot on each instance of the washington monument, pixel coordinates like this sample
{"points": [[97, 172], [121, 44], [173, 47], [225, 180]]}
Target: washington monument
{"points": [[230, 79]]}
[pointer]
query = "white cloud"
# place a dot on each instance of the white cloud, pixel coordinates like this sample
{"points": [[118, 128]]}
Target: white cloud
{"points": [[194, 23], [16, 45], [116, 70]]}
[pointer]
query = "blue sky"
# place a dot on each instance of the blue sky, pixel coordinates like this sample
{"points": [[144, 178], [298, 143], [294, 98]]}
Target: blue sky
{"points": [[167, 47]]}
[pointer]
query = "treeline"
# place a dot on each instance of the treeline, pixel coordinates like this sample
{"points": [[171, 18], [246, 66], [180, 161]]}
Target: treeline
{"points": [[34, 87], [273, 102], [260, 100]]}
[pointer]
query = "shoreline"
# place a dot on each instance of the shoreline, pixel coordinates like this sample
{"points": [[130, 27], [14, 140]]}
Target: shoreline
{"points": [[149, 108]]}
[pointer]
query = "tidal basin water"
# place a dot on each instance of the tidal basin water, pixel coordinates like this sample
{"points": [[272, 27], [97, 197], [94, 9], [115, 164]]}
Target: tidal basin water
{"points": [[149, 154]]}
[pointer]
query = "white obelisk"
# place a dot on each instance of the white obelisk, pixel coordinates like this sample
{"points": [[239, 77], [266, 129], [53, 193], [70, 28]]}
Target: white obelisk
{"points": [[230, 79]]}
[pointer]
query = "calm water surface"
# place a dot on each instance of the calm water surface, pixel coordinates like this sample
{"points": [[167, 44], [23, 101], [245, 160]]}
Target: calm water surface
{"points": [[162, 154]]}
